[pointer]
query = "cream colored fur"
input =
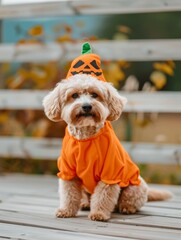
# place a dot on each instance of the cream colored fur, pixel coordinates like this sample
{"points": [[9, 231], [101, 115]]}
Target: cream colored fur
{"points": [[58, 105], [70, 197], [66, 102]]}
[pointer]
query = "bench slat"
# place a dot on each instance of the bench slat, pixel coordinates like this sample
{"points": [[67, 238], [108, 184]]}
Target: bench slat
{"points": [[28, 147], [162, 102]]}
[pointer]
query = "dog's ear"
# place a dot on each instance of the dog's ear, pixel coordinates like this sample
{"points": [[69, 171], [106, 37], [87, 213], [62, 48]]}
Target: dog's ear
{"points": [[52, 104], [115, 102]]}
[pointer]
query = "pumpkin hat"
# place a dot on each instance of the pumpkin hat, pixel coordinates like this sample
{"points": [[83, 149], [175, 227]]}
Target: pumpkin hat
{"points": [[87, 63]]}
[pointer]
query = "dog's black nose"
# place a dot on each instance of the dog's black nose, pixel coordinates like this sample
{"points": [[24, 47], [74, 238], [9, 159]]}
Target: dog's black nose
{"points": [[87, 108]]}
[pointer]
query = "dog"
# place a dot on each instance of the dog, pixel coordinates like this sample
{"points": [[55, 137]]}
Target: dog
{"points": [[95, 171]]}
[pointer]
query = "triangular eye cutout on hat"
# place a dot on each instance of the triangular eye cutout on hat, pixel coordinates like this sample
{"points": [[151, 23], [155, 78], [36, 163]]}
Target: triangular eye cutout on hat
{"points": [[78, 64], [94, 64], [87, 63]]}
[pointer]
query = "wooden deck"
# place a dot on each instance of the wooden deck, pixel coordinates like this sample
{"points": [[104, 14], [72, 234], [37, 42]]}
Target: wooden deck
{"points": [[28, 203]]}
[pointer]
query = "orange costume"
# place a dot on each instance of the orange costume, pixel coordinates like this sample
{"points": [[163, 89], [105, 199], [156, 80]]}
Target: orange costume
{"points": [[99, 158]]}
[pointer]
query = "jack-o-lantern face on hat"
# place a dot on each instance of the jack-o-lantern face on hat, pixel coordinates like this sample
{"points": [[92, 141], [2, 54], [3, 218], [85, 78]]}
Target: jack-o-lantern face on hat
{"points": [[87, 64], [90, 68]]}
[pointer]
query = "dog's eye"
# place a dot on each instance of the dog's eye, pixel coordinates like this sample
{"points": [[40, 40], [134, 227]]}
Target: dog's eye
{"points": [[94, 95], [75, 95]]}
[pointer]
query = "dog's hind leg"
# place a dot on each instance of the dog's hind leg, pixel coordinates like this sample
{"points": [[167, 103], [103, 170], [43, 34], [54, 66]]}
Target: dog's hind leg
{"points": [[132, 198], [70, 196], [85, 201], [103, 201]]}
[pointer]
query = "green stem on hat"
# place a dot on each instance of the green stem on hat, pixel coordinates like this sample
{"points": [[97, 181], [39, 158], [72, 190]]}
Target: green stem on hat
{"points": [[86, 48]]}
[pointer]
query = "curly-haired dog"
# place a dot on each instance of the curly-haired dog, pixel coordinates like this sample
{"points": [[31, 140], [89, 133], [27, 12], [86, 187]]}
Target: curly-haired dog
{"points": [[95, 170]]}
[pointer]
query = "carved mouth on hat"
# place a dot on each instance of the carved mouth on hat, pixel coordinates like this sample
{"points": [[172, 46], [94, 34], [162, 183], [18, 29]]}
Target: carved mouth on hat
{"points": [[87, 72]]}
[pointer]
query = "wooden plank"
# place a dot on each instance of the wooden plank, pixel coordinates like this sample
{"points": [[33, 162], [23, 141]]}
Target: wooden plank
{"points": [[162, 212], [34, 200], [53, 202], [34, 185], [130, 50], [30, 53], [36, 10], [29, 209], [30, 147], [25, 99], [163, 221], [34, 148], [59, 8], [176, 200], [154, 153], [165, 204], [162, 102], [152, 221], [50, 210], [172, 217], [9, 231], [136, 50], [82, 225], [23, 208], [176, 190], [125, 6]]}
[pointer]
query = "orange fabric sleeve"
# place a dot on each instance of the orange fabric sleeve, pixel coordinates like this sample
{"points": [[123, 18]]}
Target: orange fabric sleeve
{"points": [[66, 165]]}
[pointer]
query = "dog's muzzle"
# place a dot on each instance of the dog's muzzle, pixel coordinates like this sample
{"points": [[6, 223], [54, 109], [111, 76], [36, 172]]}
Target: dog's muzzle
{"points": [[86, 111], [87, 108]]}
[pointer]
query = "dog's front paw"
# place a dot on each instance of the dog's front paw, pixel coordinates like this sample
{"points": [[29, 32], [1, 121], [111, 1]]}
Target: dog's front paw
{"points": [[64, 213], [99, 216]]}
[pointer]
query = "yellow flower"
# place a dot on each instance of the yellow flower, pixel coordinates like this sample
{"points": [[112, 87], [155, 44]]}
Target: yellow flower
{"points": [[4, 117], [36, 31], [22, 41], [5, 67], [67, 28], [63, 38], [171, 63], [159, 79], [124, 29], [28, 41], [114, 74], [164, 67], [123, 64]]}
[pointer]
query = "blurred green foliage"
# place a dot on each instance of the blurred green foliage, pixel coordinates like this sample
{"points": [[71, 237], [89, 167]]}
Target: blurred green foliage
{"points": [[163, 174]]}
